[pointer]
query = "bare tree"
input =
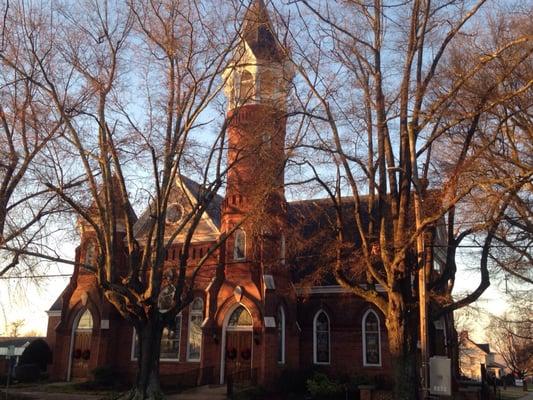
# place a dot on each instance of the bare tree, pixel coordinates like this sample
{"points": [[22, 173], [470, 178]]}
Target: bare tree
{"points": [[135, 85], [512, 336], [399, 114], [27, 124]]}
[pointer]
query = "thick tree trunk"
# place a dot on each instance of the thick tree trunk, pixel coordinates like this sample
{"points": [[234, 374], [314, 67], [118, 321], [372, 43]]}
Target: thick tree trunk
{"points": [[147, 386], [402, 347]]}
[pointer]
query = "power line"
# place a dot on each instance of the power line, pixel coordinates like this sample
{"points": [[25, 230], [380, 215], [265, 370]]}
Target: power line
{"points": [[35, 276]]}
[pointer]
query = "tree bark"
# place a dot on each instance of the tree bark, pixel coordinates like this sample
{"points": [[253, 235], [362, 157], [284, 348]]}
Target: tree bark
{"points": [[148, 385], [401, 329]]}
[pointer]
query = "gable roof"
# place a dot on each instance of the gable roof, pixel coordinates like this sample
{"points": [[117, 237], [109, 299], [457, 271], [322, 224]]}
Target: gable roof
{"points": [[142, 226]]}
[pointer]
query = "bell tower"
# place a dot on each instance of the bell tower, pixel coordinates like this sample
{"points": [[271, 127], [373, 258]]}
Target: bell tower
{"points": [[256, 85]]}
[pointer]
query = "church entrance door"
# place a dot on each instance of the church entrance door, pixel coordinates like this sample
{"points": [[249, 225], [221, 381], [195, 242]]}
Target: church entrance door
{"points": [[239, 354], [238, 346], [81, 347]]}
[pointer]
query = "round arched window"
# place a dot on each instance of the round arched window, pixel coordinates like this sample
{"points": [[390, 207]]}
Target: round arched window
{"points": [[174, 213]]}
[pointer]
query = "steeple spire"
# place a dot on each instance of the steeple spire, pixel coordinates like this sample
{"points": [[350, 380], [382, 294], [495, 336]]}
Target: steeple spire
{"points": [[259, 33]]}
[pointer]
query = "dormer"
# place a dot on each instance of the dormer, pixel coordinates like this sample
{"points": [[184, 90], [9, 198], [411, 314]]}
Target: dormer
{"points": [[260, 71]]}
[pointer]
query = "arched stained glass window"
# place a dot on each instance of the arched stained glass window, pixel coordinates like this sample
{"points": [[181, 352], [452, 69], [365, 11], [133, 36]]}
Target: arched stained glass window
{"points": [[239, 248], [240, 317], [321, 338], [371, 339], [86, 321], [196, 317]]}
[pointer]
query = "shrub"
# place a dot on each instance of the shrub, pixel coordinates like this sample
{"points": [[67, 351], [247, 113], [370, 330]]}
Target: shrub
{"points": [[105, 376], [38, 353], [294, 380], [321, 387], [27, 373]]}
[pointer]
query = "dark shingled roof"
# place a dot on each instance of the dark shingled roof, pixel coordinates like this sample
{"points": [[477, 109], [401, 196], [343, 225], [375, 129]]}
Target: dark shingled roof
{"points": [[58, 304], [483, 346], [142, 226], [16, 341], [313, 241], [259, 34]]}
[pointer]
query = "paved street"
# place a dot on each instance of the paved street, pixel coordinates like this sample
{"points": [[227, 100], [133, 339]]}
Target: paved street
{"points": [[200, 393]]}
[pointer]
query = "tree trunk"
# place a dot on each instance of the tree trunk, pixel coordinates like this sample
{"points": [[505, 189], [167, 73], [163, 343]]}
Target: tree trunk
{"points": [[402, 347], [147, 386]]}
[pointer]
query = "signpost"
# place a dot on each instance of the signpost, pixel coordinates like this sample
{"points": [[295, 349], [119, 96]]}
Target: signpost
{"points": [[440, 377]]}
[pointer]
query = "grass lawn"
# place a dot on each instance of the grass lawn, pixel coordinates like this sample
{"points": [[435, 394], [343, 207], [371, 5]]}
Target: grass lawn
{"points": [[511, 393]]}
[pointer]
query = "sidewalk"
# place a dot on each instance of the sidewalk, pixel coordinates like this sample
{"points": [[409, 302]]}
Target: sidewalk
{"points": [[528, 396], [202, 393]]}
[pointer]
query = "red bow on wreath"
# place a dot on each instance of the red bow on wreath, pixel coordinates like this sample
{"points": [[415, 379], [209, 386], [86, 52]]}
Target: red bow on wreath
{"points": [[77, 353], [231, 354], [246, 354]]}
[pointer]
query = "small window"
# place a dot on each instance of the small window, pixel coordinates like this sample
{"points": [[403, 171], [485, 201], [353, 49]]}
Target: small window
{"points": [[371, 340], [196, 317], [90, 254], [266, 142], [170, 342], [281, 335], [239, 249], [321, 338]]}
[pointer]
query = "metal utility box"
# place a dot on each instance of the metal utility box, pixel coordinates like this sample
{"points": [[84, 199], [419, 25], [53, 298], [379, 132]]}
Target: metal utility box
{"points": [[440, 376]]}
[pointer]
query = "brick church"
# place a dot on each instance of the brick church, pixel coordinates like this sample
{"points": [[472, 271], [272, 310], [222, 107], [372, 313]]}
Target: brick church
{"points": [[263, 304]]}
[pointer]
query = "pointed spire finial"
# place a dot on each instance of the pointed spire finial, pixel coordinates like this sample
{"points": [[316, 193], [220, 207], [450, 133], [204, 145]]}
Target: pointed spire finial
{"points": [[259, 33]]}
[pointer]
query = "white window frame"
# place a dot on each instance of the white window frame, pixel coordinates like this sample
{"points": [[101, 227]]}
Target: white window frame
{"points": [[177, 359], [315, 341], [281, 327], [366, 314], [235, 258], [195, 313]]}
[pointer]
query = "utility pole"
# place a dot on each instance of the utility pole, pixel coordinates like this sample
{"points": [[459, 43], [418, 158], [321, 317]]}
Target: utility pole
{"points": [[422, 293]]}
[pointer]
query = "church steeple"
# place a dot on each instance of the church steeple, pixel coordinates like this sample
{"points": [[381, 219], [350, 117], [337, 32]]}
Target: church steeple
{"points": [[257, 83], [260, 71]]}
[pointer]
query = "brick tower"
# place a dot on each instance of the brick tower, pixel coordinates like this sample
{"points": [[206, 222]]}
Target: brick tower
{"points": [[254, 275]]}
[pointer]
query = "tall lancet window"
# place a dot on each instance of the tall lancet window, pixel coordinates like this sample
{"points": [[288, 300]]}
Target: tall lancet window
{"points": [[247, 87], [239, 248], [321, 338], [371, 340], [196, 316]]}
